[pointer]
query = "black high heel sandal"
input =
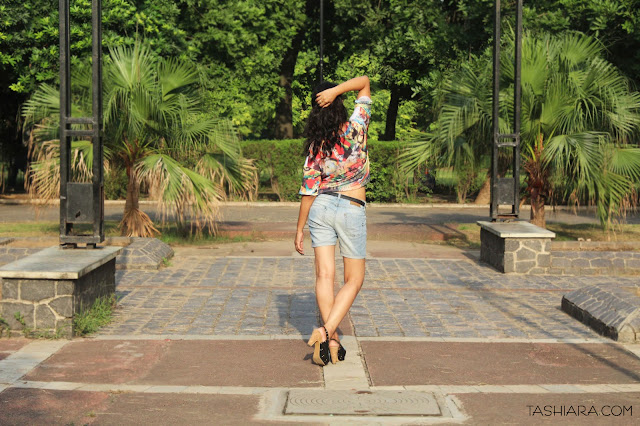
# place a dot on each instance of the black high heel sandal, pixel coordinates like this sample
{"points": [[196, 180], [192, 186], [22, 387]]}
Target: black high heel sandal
{"points": [[337, 353], [321, 351]]}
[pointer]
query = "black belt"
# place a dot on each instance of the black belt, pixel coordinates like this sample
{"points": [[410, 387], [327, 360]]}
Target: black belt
{"points": [[355, 200]]}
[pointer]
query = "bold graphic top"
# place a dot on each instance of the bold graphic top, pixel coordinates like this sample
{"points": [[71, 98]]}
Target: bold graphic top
{"points": [[347, 167]]}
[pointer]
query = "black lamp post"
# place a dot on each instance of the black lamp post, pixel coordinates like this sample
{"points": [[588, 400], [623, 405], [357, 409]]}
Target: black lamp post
{"points": [[81, 203], [506, 190], [321, 39]]}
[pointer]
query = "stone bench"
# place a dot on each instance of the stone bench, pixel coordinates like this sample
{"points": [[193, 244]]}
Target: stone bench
{"points": [[515, 247], [42, 292]]}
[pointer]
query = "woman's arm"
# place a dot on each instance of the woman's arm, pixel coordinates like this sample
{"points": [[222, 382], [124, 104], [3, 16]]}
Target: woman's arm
{"points": [[305, 206], [361, 84]]}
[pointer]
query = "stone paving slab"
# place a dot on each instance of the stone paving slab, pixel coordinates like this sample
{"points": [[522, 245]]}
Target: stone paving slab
{"points": [[10, 346], [494, 409], [37, 406], [432, 363], [11, 254], [274, 363], [400, 297]]}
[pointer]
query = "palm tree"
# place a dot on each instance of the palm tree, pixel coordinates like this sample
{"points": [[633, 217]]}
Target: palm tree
{"points": [[156, 129], [579, 119]]}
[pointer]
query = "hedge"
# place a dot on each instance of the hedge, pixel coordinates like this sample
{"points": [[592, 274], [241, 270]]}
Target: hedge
{"points": [[280, 164]]}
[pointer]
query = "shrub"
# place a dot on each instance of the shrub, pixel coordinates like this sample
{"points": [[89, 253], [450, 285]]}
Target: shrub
{"points": [[115, 184], [90, 320]]}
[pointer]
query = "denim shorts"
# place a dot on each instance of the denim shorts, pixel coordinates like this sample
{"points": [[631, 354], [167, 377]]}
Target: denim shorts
{"points": [[334, 219]]}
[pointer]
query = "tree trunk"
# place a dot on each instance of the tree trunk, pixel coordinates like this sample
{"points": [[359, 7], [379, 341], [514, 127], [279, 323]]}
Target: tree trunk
{"points": [[484, 195], [537, 209], [392, 115], [135, 222], [284, 115], [133, 191]]}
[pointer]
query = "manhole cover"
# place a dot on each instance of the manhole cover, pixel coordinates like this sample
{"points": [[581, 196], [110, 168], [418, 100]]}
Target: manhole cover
{"points": [[361, 403]]}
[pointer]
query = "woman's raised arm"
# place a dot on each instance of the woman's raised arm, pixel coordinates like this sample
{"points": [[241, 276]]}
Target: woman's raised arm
{"points": [[361, 84]]}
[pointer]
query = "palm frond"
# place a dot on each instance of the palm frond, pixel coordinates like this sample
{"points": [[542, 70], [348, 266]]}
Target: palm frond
{"points": [[189, 195]]}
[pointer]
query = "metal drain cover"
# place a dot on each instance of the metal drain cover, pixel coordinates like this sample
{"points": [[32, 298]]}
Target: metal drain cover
{"points": [[361, 403]]}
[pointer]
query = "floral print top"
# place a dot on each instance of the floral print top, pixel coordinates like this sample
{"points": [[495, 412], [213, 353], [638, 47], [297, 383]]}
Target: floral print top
{"points": [[348, 165]]}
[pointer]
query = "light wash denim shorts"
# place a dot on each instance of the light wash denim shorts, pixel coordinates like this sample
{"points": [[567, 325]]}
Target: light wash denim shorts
{"points": [[334, 219]]}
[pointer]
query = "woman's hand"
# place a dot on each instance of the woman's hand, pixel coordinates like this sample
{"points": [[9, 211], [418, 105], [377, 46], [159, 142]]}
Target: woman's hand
{"points": [[298, 242], [325, 97]]}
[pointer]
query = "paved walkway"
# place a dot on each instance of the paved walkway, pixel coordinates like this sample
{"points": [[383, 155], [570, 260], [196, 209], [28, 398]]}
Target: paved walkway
{"points": [[219, 337], [411, 297]]}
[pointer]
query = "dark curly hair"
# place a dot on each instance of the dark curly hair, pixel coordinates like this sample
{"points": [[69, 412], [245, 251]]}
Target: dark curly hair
{"points": [[322, 131]]}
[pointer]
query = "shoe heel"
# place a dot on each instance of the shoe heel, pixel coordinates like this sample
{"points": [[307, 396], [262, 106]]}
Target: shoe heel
{"points": [[334, 354], [315, 338]]}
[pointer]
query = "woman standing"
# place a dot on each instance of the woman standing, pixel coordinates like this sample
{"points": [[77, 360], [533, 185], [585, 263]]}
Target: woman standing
{"points": [[333, 199]]}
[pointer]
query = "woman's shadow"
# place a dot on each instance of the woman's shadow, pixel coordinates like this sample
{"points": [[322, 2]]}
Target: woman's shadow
{"points": [[298, 312]]}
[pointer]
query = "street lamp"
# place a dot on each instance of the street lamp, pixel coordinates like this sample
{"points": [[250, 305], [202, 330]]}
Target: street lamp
{"points": [[81, 203], [506, 190], [321, 39]]}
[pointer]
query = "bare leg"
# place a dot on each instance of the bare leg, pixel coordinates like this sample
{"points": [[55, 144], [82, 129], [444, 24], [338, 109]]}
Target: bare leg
{"points": [[325, 274], [353, 279]]}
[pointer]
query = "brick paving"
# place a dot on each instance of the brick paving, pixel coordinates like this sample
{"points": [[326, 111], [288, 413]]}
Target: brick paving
{"points": [[201, 295]]}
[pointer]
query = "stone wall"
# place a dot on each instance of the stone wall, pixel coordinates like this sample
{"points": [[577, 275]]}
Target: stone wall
{"points": [[595, 263], [519, 255], [47, 306]]}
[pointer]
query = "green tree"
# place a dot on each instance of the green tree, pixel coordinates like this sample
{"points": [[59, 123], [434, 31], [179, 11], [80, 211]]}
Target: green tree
{"points": [[245, 49], [413, 42], [579, 118], [616, 23], [29, 53], [155, 127]]}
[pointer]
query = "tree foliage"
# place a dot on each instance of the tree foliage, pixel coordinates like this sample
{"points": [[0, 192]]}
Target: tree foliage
{"points": [[156, 130], [579, 121]]}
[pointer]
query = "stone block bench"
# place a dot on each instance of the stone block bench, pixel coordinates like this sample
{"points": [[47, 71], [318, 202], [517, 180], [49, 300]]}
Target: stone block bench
{"points": [[42, 292], [515, 247]]}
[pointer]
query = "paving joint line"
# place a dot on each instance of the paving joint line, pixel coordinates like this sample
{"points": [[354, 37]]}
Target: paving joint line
{"points": [[545, 388], [484, 340], [305, 337], [27, 358], [541, 388], [270, 287]]}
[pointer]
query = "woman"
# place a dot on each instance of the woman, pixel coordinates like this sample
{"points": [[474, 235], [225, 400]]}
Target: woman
{"points": [[333, 199]]}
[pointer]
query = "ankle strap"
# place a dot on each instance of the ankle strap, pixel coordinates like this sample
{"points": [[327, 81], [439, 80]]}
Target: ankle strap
{"points": [[326, 333]]}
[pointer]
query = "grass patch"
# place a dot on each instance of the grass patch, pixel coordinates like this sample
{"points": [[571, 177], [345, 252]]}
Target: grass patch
{"points": [[175, 237], [4, 326], [47, 229], [594, 232], [90, 320], [169, 233], [467, 238]]}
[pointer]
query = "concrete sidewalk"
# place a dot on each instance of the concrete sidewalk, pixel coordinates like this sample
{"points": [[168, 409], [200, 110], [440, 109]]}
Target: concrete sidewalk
{"points": [[219, 337]]}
